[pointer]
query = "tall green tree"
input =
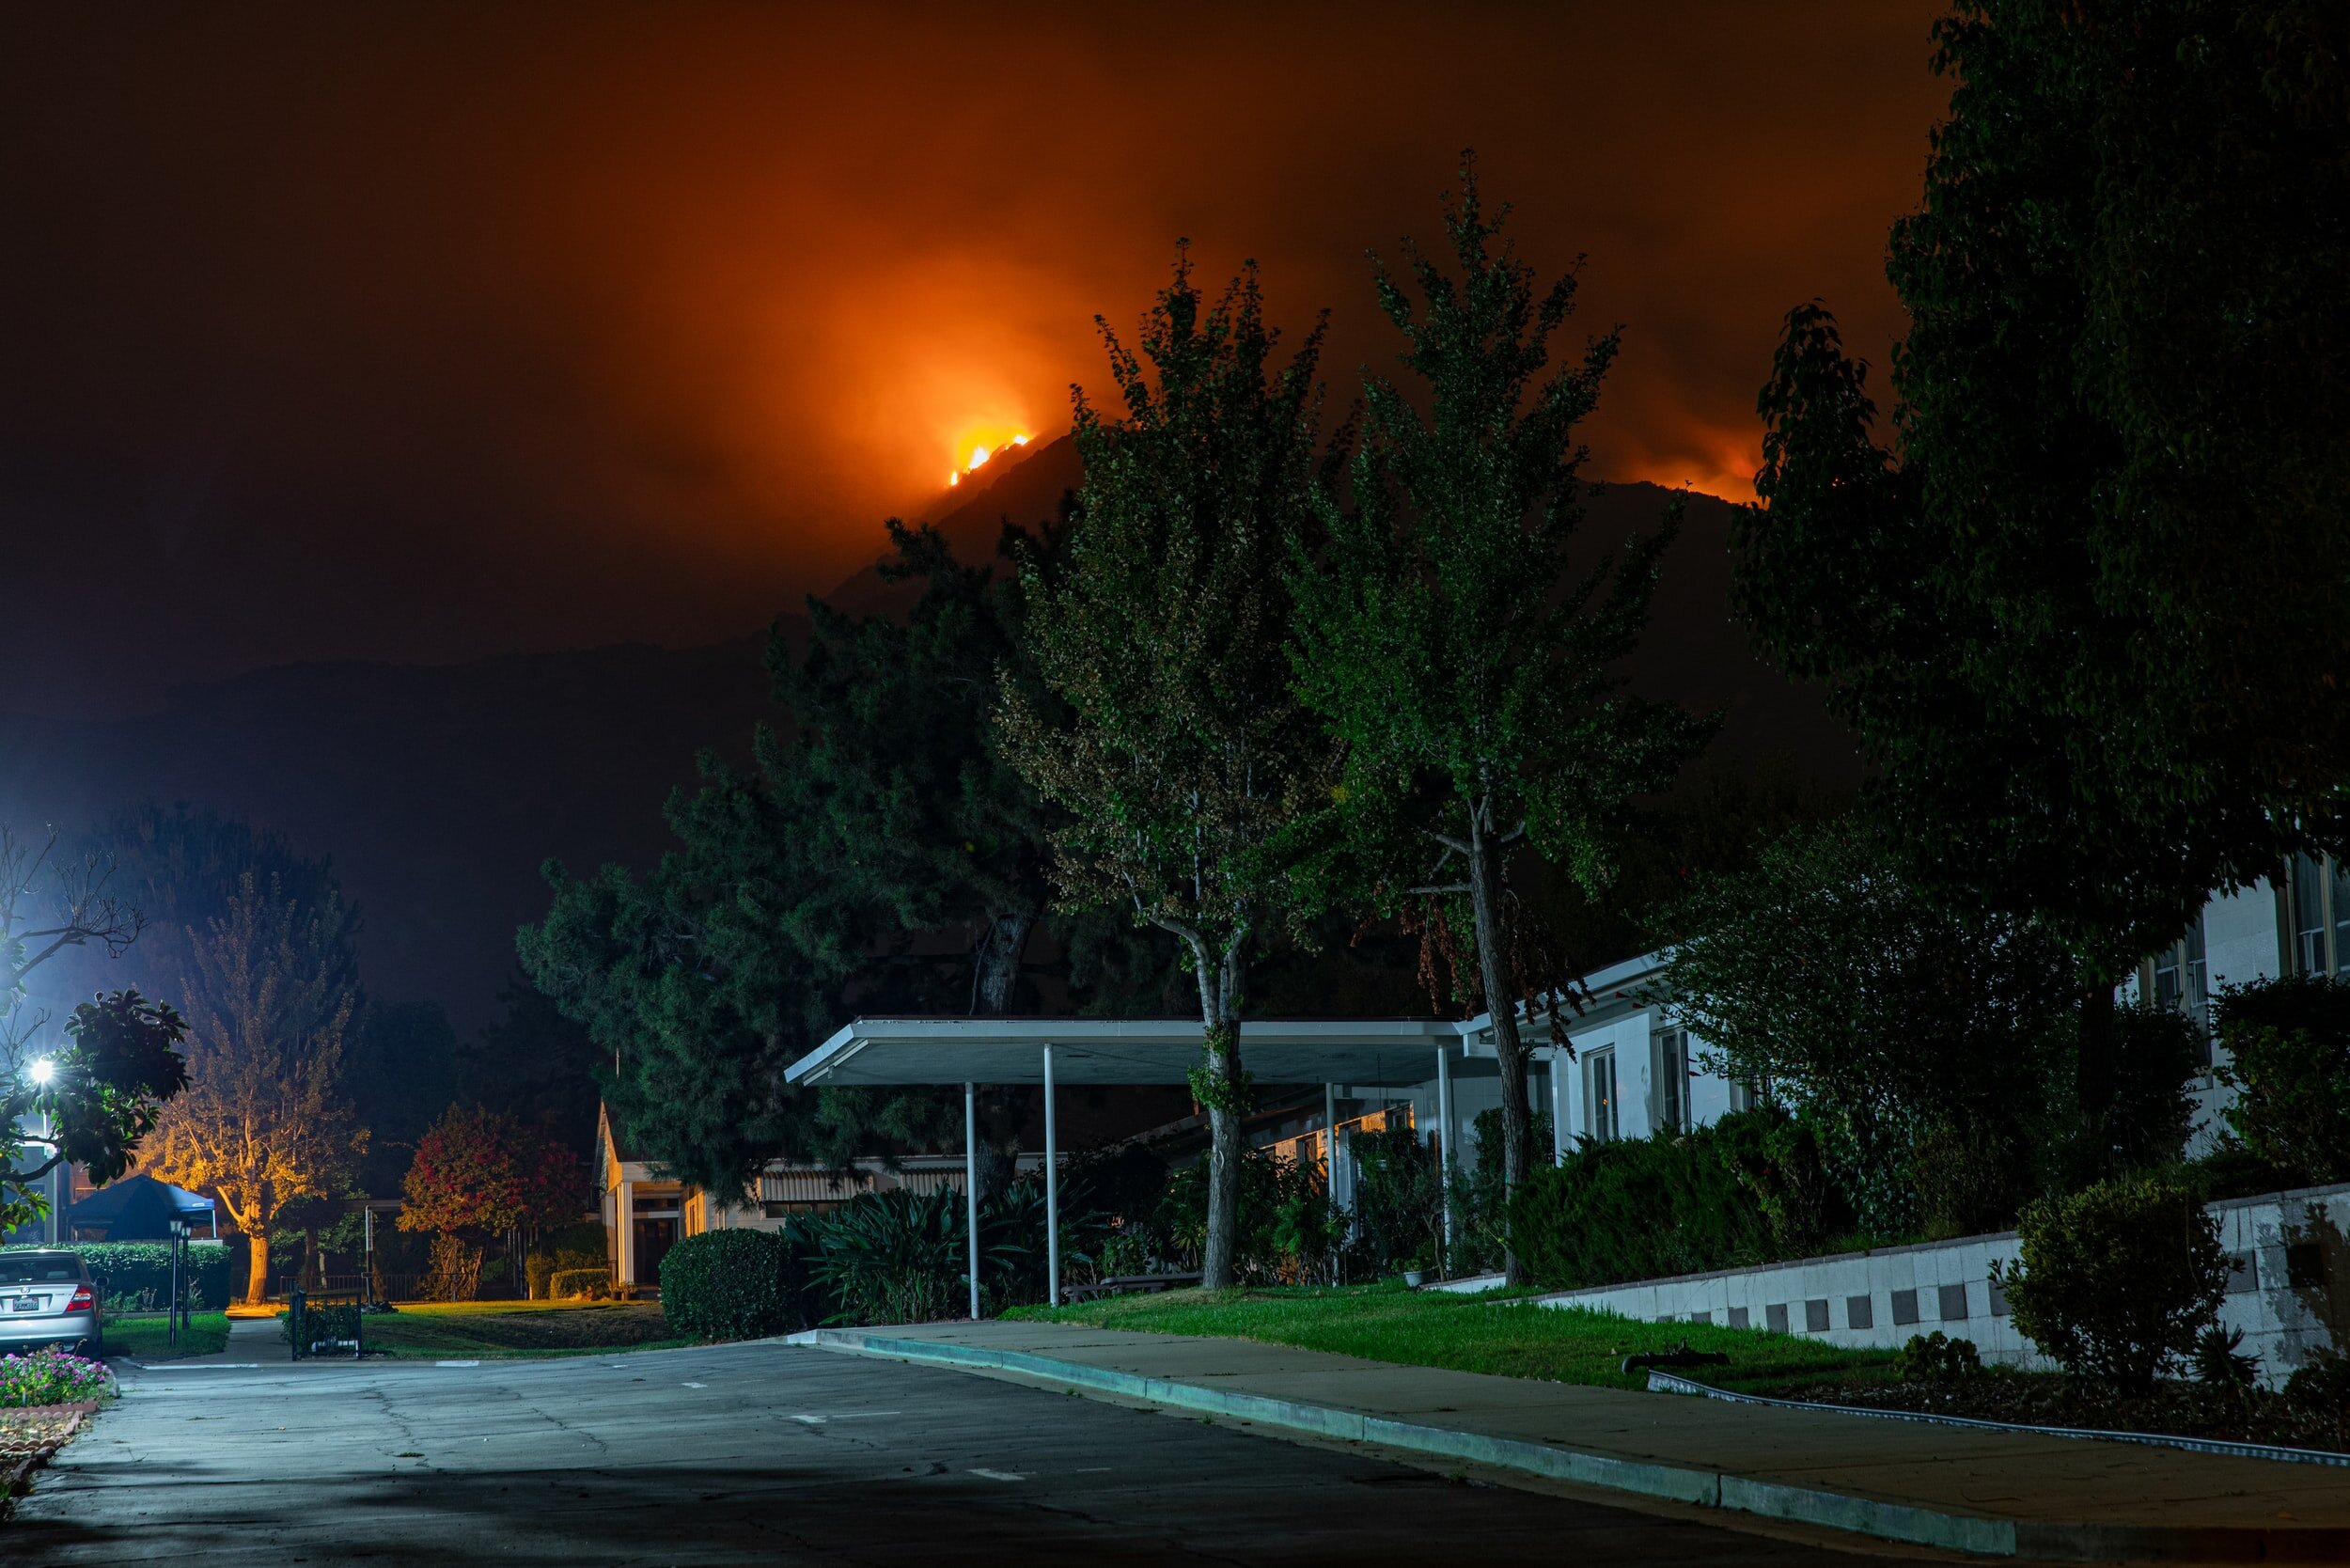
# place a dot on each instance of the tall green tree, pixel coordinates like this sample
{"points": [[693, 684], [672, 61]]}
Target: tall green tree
{"points": [[1471, 671], [1183, 764], [2089, 605]]}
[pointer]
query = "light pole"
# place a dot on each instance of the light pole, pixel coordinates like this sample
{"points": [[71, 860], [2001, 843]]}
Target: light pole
{"points": [[178, 1248]]}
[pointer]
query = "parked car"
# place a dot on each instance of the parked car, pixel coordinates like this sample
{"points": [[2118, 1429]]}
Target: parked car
{"points": [[48, 1298]]}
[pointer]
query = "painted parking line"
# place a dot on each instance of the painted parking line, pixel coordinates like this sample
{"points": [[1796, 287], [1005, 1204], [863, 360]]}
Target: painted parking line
{"points": [[697, 1385], [809, 1421], [997, 1475], [457, 1363]]}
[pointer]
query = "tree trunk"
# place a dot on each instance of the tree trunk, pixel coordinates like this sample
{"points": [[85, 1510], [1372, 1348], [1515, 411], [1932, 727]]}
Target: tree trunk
{"points": [[257, 1266], [996, 963], [2094, 1073], [1517, 1119], [1219, 1006]]}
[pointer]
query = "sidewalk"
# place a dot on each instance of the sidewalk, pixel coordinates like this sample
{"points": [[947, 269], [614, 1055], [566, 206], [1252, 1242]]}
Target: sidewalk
{"points": [[2050, 1499]]}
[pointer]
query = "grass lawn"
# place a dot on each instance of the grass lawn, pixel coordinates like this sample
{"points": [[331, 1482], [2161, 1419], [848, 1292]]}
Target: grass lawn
{"points": [[1466, 1333], [204, 1334], [474, 1328]]}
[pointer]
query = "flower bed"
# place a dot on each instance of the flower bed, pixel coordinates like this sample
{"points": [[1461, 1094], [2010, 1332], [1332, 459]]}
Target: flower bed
{"points": [[52, 1377]]}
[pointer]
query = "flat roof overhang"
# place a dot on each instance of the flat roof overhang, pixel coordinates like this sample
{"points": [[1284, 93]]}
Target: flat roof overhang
{"points": [[1375, 1053]]}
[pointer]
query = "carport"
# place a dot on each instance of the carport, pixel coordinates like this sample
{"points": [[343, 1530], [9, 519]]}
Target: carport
{"points": [[1375, 1053]]}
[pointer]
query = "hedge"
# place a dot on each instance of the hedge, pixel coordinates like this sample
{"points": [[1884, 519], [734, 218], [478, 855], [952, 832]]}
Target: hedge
{"points": [[737, 1284], [1749, 1189], [573, 1284], [136, 1275]]}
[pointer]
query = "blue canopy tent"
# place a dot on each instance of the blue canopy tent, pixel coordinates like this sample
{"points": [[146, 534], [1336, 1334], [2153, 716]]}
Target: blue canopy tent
{"points": [[140, 1208]]}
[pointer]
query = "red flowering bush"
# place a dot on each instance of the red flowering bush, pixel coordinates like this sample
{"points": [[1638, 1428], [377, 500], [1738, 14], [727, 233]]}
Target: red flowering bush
{"points": [[479, 1173]]}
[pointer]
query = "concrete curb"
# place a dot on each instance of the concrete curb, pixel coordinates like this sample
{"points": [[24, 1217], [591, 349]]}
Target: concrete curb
{"points": [[1925, 1526]]}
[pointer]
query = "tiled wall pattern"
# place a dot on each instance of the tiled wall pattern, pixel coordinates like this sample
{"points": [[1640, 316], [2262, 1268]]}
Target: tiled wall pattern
{"points": [[2291, 1293]]}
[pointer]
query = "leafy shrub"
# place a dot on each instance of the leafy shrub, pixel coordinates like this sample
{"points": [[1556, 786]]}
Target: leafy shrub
{"points": [[1968, 1180], [136, 1276], [736, 1284], [2322, 1384], [567, 1251], [1480, 1196], [52, 1377], [1936, 1358], [895, 1257], [2219, 1362], [2290, 1041], [2116, 1281], [1284, 1208], [1749, 1189], [1399, 1201], [2155, 1052], [577, 1284]]}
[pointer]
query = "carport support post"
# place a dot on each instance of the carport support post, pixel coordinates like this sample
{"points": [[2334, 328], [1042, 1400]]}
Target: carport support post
{"points": [[1444, 1138], [971, 1189], [1052, 1189]]}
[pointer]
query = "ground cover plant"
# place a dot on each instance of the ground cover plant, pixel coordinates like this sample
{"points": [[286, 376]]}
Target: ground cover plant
{"points": [[148, 1335], [52, 1377], [487, 1328], [1486, 1333], [1948, 1381]]}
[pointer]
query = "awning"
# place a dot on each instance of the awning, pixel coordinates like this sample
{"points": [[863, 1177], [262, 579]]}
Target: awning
{"points": [[1391, 1053]]}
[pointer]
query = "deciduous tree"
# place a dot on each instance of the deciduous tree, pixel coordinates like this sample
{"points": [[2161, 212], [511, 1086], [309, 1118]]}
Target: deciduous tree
{"points": [[480, 1174], [264, 1119], [1184, 764], [1470, 671]]}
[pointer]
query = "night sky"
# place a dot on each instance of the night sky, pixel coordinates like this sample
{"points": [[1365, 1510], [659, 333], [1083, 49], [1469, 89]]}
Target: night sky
{"points": [[418, 333]]}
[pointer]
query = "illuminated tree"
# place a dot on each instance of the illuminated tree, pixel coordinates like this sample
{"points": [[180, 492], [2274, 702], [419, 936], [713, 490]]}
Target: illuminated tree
{"points": [[1471, 673], [1183, 762], [2088, 604], [273, 983]]}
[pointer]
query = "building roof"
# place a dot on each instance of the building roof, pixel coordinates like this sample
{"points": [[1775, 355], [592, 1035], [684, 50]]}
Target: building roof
{"points": [[1372, 1052]]}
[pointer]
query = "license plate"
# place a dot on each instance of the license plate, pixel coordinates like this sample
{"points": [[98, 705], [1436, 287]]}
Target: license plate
{"points": [[27, 1303]]}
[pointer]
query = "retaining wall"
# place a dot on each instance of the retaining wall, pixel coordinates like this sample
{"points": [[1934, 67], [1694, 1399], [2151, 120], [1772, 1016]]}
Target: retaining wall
{"points": [[2289, 1292]]}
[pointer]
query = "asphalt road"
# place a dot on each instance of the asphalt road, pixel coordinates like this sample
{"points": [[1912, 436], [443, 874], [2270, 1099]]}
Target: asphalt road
{"points": [[758, 1453]]}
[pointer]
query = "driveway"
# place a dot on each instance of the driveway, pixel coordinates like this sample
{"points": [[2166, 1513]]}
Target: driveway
{"points": [[755, 1453]]}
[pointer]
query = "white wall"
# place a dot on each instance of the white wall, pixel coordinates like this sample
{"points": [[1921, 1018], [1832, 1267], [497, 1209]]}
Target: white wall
{"points": [[2278, 1323]]}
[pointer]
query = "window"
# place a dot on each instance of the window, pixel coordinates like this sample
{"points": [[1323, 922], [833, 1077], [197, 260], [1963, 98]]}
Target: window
{"points": [[1599, 1094], [2319, 899], [2177, 977], [2179, 974], [1672, 1080]]}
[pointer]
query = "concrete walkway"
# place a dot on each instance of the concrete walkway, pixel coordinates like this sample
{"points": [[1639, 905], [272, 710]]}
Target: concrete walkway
{"points": [[2060, 1500]]}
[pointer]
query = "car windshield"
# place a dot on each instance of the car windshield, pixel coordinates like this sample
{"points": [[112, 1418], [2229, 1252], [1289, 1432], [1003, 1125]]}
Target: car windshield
{"points": [[35, 1268]]}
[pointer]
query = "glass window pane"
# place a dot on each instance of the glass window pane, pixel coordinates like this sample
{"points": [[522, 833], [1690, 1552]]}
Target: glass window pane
{"points": [[2309, 915], [2342, 916]]}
